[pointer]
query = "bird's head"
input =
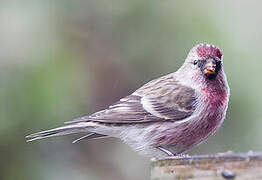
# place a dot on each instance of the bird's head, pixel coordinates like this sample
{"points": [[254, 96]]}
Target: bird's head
{"points": [[205, 60]]}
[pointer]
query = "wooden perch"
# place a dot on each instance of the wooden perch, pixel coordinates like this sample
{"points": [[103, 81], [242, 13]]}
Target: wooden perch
{"points": [[214, 167]]}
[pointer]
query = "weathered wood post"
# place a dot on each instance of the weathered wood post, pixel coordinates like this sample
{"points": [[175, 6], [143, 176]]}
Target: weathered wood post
{"points": [[214, 167]]}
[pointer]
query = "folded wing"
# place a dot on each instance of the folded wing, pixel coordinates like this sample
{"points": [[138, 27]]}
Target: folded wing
{"points": [[163, 99]]}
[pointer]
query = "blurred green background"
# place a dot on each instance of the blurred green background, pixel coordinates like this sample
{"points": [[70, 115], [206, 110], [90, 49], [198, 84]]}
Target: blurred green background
{"points": [[64, 59]]}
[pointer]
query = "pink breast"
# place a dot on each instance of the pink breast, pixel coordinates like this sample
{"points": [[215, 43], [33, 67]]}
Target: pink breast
{"points": [[190, 133]]}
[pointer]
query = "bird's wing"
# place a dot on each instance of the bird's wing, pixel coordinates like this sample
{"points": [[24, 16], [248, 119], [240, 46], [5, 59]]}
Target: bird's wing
{"points": [[163, 99]]}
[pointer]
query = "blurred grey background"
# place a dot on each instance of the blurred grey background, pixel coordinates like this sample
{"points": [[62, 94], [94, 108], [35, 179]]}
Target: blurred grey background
{"points": [[64, 59]]}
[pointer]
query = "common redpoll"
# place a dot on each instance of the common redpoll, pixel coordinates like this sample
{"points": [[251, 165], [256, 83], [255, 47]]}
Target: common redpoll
{"points": [[166, 116]]}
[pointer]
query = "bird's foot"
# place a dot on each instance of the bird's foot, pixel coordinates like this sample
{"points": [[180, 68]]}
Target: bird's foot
{"points": [[182, 155]]}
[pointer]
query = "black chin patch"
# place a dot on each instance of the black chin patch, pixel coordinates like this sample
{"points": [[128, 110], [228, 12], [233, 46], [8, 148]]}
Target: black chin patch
{"points": [[211, 76]]}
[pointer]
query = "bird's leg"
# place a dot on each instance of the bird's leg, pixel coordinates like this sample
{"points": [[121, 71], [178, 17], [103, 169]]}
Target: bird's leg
{"points": [[169, 153]]}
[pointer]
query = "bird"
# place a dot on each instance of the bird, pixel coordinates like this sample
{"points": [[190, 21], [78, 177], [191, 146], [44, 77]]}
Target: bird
{"points": [[167, 116]]}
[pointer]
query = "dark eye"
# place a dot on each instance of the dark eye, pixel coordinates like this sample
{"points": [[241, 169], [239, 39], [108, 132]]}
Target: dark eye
{"points": [[195, 62]]}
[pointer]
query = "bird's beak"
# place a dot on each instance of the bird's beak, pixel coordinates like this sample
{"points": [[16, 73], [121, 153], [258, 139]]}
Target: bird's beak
{"points": [[210, 68]]}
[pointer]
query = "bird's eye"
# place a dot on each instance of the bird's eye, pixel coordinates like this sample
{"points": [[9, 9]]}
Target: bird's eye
{"points": [[195, 62]]}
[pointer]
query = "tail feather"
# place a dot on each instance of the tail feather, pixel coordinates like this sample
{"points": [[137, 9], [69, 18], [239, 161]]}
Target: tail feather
{"points": [[90, 136], [60, 131]]}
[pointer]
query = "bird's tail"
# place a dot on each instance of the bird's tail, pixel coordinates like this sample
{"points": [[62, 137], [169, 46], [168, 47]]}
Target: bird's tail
{"points": [[60, 131]]}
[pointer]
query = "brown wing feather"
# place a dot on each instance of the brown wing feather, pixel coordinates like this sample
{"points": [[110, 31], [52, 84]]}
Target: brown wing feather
{"points": [[162, 99]]}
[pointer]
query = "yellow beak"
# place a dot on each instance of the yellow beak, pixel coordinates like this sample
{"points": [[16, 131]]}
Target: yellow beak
{"points": [[210, 69]]}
